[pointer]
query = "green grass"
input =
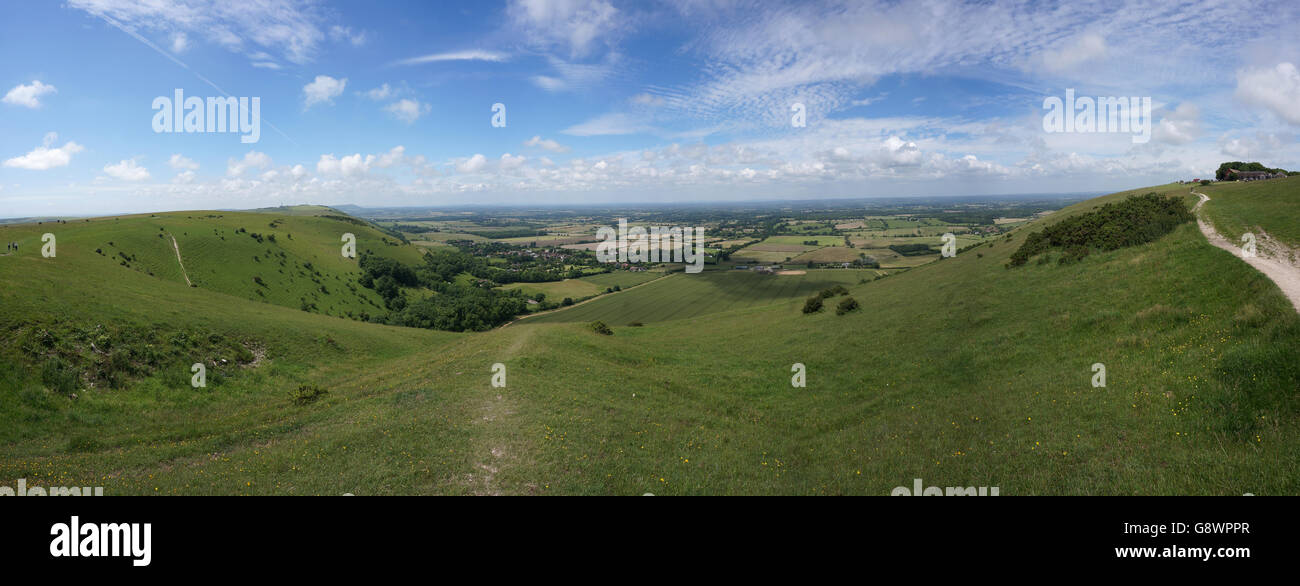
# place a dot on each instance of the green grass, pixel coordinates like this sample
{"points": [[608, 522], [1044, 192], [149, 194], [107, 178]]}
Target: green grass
{"points": [[157, 434], [682, 296], [959, 372], [1250, 206], [303, 264]]}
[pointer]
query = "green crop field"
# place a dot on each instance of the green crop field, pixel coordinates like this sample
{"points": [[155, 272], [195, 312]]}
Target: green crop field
{"points": [[829, 254], [800, 240], [960, 371], [585, 286]]}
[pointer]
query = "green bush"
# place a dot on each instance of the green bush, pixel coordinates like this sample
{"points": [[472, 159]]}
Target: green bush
{"points": [[307, 394], [600, 328], [846, 305], [1136, 220], [813, 304], [833, 291]]}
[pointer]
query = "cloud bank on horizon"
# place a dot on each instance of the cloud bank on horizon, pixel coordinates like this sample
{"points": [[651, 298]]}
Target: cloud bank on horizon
{"points": [[601, 101]]}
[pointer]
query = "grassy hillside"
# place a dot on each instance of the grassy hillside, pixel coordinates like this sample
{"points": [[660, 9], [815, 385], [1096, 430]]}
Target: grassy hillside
{"points": [[682, 296], [129, 340], [960, 372], [1239, 207], [289, 260]]}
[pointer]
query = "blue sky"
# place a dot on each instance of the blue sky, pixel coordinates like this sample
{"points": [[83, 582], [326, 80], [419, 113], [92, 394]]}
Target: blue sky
{"points": [[390, 103]]}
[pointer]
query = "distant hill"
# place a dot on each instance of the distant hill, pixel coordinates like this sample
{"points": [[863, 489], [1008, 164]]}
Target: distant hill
{"points": [[286, 257], [300, 210]]}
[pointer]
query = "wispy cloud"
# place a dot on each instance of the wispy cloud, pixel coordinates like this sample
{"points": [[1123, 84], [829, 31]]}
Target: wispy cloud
{"points": [[575, 26], [288, 27], [613, 123], [469, 55]]}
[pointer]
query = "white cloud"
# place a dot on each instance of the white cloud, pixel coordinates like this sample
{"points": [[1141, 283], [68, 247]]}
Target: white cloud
{"points": [[473, 164], [353, 164], [1075, 52], [547, 144], [251, 160], [407, 110], [575, 25], [1261, 146], [127, 170], [470, 55], [1180, 126], [182, 163], [510, 162], [356, 164], [1277, 89], [28, 95], [395, 156], [43, 157], [323, 90], [180, 42], [382, 92]]}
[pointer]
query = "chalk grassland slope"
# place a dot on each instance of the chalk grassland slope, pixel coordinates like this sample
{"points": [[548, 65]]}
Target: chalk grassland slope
{"points": [[132, 339], [1272, 206], [959, 372], [289, 260], [682, 296]]}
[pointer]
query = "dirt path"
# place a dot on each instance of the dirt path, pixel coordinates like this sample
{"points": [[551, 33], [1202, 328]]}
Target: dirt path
{"points": [[1277, 268], [497, 445], [177, 247]]}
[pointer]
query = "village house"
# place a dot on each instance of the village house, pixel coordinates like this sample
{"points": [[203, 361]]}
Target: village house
{"points": [[1255, 175]]}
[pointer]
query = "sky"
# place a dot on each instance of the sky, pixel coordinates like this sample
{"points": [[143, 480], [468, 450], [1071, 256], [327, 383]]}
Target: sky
{"points": [[605, 102]]}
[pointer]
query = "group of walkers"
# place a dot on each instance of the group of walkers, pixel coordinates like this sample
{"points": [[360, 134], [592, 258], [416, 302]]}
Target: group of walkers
{"points": [[12, 247]]}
